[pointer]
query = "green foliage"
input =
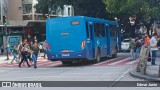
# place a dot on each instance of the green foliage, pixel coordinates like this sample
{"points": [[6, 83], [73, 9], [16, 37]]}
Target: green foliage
{"points": [[145, 10], [92, 8]]}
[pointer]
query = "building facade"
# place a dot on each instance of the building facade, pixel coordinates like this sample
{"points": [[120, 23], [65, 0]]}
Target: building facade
{"points": [[3, 9], [24, 22]]}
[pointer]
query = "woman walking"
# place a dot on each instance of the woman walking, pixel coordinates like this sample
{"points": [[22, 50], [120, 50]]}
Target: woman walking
{"points": [[23, 53]]}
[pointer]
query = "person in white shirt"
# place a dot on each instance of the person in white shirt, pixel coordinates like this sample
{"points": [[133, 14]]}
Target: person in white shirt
{"points": [[153, 48]]}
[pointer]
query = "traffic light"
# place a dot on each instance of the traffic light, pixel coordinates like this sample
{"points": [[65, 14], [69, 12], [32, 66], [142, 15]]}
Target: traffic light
{"points": [[4, 21]]}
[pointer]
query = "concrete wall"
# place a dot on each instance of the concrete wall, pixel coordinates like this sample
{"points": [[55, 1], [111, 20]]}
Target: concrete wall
{"points": [[15, 10]]}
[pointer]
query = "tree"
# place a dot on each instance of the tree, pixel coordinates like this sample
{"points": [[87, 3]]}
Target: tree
{"points": [[146, 11], [81, 7]]}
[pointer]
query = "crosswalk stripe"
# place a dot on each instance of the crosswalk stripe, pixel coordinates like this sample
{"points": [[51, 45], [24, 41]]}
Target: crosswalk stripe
{"points": [[44, 63], [120, 58], [55, 64], [119, 61], [131, 62]]}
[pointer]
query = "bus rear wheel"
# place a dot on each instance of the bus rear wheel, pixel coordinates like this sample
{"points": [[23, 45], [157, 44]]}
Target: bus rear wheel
{"points": [[98, 57]]}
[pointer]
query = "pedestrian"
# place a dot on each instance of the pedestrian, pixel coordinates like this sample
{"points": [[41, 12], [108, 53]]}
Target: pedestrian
{"points": [[137, 48], [147, 44], [35, 40], [2, 49], [14, 53], [153, 48], [20, 45], [34, 52], [28, 55], [23, 53], [25, 42], [132, 47], [44, 48], [8, 47], [146, 40]]}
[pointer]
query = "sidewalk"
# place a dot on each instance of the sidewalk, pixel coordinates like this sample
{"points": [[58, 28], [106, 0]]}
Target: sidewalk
{"points": [[4, 57], [151, 71]]}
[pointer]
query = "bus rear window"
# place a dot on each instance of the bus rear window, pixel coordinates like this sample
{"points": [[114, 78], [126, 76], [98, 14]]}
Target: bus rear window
{"points": [[75, 22]]}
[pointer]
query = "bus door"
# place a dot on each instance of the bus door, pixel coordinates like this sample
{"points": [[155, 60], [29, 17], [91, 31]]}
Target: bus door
{"points": [[90, 40], [119, 38], [113, 38], [108, 39]]}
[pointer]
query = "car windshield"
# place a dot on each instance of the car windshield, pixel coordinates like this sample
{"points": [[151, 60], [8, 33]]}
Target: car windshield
{"points": [[125, 40]]}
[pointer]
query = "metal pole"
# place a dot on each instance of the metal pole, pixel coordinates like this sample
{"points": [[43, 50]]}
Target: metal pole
{"points": [[7, 43]]}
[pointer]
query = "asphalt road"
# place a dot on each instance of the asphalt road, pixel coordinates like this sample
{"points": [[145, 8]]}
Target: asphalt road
{"points": [[80, 72]]}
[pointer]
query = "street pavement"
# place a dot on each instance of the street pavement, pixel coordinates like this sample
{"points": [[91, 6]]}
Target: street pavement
{"points": [[44, 63], [109, 70], [114, 69]]}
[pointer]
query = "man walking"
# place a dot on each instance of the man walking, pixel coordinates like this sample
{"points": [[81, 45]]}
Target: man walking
{"points": [[147, 44], [153, 48], [35, 50], [132, 47]]}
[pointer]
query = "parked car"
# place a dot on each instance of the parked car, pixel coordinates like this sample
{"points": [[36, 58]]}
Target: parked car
{"points": [[125, 45]]}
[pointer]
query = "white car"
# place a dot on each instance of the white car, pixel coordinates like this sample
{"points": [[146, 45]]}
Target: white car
{"points": [[125, 45]]}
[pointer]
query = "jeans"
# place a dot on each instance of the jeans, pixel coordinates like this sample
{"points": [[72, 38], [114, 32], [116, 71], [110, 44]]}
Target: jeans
{"points": [[24, 58], [132, 54], [154, 56], [9, 51], [15, 57], [137, 53], [34, 57]]}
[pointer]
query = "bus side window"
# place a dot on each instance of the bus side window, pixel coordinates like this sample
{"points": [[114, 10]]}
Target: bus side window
{"points": [[87, 30], [113, 31], [98, 29], [91, 29], [103, 30]]}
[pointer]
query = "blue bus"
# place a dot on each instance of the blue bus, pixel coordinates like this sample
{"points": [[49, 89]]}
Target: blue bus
{"points": [[77, 38]]}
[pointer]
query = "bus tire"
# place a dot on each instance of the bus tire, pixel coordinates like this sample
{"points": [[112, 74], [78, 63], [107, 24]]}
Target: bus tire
{"points": [[98, 57], [66, 62]]}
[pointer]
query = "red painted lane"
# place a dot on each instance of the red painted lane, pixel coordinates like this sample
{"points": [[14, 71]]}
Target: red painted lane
{"points": [[124, 62]]}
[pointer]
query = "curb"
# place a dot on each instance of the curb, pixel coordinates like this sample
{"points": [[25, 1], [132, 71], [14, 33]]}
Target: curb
{"points": [[135, 74]]}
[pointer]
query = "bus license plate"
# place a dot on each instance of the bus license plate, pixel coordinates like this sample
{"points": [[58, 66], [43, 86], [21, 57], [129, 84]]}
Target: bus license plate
{"points": [[65, 55]]}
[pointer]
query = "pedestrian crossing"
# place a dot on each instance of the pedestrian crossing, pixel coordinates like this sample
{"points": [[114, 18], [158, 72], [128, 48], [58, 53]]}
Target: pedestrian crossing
{"points": [[118, 62], [44, 63]]}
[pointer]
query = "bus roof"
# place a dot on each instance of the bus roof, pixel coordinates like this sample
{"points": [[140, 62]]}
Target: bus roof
{"points": [[88, 18]]}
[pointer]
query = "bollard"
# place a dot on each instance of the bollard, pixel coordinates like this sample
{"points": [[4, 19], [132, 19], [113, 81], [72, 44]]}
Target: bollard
{"points": [[142, 64]]}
